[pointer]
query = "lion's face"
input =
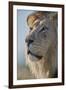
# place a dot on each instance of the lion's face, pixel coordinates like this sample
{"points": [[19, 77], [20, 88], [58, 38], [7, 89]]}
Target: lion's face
{"points": [[41, 36]]}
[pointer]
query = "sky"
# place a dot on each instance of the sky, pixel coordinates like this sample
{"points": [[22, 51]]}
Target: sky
{"points": [[22, 30]]}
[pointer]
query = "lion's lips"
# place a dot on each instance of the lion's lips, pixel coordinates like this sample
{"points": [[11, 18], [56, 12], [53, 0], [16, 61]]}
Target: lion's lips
{"points": [[29, 52]]}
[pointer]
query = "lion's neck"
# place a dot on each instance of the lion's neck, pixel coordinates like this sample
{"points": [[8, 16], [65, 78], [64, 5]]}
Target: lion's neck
{"points": [[45, 67]]}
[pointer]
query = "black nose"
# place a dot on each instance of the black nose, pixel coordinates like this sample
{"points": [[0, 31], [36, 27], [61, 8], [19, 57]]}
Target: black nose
{"points": [[28, 41]]}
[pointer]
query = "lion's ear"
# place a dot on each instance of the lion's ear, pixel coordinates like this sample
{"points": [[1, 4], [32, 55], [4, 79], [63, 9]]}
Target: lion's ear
{"points": [[54, 18]]}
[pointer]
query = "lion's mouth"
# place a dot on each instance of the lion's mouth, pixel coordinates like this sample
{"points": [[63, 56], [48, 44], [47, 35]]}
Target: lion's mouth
{"points": [[29, 52]]}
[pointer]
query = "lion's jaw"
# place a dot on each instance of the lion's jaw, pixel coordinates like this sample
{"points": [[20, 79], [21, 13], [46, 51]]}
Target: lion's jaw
{"points": [[44, 68]]}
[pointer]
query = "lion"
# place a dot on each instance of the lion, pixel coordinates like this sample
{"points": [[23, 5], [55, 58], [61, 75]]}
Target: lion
{"points": [[41, 44]]}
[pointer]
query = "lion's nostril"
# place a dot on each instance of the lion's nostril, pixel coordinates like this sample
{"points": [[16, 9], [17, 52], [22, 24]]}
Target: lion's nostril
{"points": [[29, 42], [26, 40]]}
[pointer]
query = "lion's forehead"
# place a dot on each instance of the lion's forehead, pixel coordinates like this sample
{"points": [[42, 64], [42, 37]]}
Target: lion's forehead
{"points": [[35, 18]]}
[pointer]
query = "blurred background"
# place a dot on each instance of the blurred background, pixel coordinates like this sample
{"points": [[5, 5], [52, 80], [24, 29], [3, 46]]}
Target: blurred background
{"points": [[23, 71]]}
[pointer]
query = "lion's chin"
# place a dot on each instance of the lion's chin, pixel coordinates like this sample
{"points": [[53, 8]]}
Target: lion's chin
{"points": [[33, 56]]}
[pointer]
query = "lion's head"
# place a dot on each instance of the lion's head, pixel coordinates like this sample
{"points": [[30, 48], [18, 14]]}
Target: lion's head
{"points": [[42, 44]]}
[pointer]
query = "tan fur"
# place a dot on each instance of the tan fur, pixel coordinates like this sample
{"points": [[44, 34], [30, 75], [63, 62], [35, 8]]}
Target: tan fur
{"points": [[46, 67]]}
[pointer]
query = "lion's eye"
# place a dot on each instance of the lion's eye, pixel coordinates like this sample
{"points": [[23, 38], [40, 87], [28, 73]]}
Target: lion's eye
{"points": [[31, 28], [43, 29]]}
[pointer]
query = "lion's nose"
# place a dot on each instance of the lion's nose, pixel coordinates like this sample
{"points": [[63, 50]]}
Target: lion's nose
{"points": [[28, 41]]}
